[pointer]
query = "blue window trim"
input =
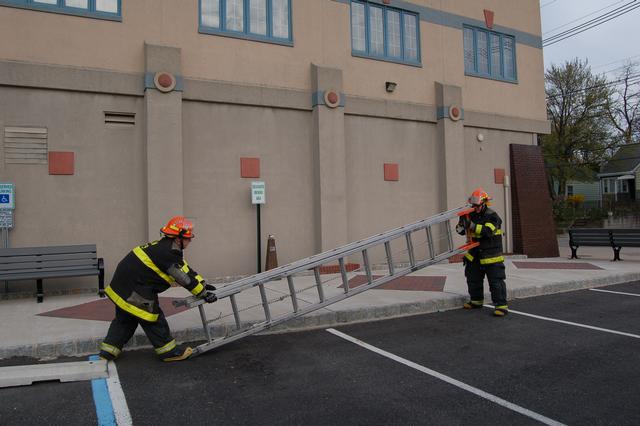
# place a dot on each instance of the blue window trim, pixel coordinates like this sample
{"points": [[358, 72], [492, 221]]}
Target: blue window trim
{"points": [[59, 7], [491, 74], [367, 37], [245, 34]]}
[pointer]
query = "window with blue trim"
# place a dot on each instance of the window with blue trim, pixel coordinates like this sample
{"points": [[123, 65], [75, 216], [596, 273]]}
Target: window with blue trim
{"points": [[103, 9], [489, 54], [382, 32], [262, 20]]}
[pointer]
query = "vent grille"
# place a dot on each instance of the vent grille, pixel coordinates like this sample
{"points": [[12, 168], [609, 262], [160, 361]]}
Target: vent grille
{"points": [[25, 145], [120, 118]]}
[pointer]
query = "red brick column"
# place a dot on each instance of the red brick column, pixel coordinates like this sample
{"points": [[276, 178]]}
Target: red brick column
{"points": [[534, 231]]}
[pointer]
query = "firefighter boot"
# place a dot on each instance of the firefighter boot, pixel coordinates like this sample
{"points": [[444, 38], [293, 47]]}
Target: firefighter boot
{"points": [[501, 311], [178, 354], [473, 304]]}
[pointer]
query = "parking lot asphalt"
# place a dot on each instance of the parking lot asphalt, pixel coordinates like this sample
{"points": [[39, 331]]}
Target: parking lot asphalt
{"points": [[572, 359]]}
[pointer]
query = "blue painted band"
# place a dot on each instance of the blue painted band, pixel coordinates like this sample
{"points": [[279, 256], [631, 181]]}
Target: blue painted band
{"points": [[443, 112], [150, 84], [447, 19], [317, 98], [102, 400]]}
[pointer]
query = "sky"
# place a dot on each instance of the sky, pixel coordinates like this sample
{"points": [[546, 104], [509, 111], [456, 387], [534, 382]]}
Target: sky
{"points": [[606, 46]]}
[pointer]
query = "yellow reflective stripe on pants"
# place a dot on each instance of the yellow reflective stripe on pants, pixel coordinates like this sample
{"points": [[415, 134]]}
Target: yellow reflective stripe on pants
{"points": [[490, 260], [128, 307], [110, 348], [166, 348], [149, 263]]}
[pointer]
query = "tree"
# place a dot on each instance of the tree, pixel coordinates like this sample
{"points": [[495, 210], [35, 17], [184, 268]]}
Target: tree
{"points": [[577, 102], [623, 110]]}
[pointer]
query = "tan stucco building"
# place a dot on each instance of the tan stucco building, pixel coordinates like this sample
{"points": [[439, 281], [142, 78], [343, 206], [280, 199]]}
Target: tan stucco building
{"points": [[118, 114]]}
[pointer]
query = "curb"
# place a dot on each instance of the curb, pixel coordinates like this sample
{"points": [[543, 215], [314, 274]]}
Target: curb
{"points": [[321, 319]]}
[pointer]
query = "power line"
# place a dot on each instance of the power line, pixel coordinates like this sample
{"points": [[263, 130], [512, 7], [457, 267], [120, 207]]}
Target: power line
{"points": [[582, 17], [591, 24], [548, 3], [631, 79], [591, 21]]}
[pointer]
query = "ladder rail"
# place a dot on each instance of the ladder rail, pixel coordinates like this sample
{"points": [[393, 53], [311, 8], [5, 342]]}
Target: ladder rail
{"points": [[256, 328], [315, 261]]}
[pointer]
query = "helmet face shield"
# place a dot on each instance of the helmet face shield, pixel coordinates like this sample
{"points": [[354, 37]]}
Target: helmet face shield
{"points": [[178, 226]]}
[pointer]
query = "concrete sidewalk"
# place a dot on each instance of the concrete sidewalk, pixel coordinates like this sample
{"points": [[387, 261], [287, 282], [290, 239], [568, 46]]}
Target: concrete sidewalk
{"points": [[74, 324]]}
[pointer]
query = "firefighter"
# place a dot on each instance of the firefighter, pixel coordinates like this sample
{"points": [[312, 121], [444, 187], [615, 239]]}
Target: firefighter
{"points": [[483, 226], [144, 272]]}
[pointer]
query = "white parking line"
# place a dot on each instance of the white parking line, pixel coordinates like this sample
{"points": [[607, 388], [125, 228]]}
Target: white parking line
{"points": [[118, 400], [591, 327], [615, 292], [452, 381]]}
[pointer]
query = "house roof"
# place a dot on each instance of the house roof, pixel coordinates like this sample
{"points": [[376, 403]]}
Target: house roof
{"points": [[625, 160]]}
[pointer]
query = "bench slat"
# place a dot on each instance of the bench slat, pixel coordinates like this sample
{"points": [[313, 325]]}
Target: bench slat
{"points": [[25, 251], [46, 257], [28, 266], [49, 274]]}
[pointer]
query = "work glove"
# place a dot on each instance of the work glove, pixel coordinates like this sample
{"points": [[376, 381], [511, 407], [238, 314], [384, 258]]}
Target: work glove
{"points": [[208, 294], [463, 225]]}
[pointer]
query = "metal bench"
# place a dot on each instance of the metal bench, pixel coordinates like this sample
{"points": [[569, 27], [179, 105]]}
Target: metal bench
{"points": [[38, 263], [601, 237]]}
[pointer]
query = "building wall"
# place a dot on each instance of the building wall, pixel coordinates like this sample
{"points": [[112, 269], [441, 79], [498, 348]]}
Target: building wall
{"points": [[323, 166]]}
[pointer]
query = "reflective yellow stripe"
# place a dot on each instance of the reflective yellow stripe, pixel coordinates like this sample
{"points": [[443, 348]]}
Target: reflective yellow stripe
{"points": [[502, 307], [110, 348], [149, 263], [490, 226], [166, 348], [469, 257], [497, 232], [197, 289], [492, 260], [185, 268], [478, 229], [126, 306]]}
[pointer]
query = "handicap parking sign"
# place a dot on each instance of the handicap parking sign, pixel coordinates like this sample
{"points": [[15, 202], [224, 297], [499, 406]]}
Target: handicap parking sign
{"points": [[6, 196]]}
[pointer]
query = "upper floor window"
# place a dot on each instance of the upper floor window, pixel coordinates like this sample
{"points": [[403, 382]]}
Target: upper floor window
{"points": [[382, 32], [489, 54], [103, 9], [262, 20]]}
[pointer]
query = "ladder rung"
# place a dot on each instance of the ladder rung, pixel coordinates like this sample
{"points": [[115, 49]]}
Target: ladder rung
{"points": [[265, 302], [343, 272], [316, 272], [292, 291], [430, 242], [205, 324], [367, 265], [234, 306], [387, 249], [412, 259]]}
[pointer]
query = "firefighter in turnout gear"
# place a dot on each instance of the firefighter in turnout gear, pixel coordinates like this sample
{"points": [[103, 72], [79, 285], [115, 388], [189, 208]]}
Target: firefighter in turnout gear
{"points": [[144, 272], [483, 226]]}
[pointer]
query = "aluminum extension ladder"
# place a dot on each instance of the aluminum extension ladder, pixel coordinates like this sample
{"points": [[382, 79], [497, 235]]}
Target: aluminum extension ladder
{"points": [[359, 248]]}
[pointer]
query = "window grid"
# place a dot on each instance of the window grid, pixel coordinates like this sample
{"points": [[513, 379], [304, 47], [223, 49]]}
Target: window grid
{"points": [[489, 54], [260, 20], [382, 43], [102, 9]]}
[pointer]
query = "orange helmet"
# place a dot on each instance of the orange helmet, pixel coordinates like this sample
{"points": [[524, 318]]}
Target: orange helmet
{"points": [[178, 226], [479, 196]]}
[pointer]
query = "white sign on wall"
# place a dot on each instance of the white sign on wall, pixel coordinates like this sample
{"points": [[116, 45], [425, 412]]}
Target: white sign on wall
{"points": [[258, 193]]}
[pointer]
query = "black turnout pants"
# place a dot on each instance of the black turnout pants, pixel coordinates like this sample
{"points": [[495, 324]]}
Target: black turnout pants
{"points": [[124, 325], [495, 273]]}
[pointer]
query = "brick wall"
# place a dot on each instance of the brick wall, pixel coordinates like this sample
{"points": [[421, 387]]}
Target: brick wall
{"points": [[533, 226]]}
